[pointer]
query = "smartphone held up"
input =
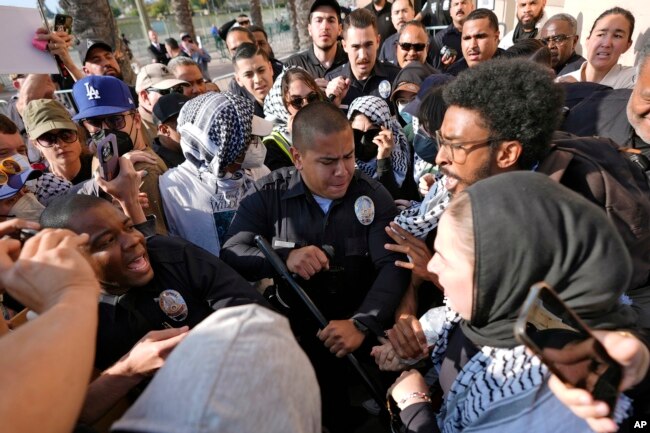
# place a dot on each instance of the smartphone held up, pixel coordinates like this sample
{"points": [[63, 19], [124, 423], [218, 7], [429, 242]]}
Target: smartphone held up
{"points": [[554, 332], [108, 157]]}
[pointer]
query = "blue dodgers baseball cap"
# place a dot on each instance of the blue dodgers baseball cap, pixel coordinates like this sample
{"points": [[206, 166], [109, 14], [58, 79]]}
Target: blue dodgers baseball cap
{"points": [[15, 171], [101, 96]]}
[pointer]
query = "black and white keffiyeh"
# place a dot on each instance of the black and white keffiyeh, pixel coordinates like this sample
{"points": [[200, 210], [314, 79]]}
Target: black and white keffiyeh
{"points": [[48, 186], [491, 376], [215, 130], [421, 218], [274, 109], [378, 112]]}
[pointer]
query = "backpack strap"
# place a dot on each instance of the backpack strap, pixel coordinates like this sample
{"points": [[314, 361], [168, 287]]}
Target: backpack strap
{"points": [[555, 163]]}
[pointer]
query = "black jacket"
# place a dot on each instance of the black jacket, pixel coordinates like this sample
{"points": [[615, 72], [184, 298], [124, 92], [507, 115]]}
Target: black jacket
{"points": [[204, 282], [308, 61], [382, 72], [283, 210]]}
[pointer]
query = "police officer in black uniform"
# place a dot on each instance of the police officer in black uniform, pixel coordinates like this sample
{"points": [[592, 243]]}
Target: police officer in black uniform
{"points": [[363, 73], [327, 221]]}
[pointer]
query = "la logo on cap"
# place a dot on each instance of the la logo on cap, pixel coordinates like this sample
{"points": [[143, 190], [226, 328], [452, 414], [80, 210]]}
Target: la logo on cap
{"points": [[91, 92]]}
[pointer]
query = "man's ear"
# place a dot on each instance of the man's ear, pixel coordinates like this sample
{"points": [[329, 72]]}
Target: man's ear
{"points": [[297, 157], [163, 130], [344, 45], [237, 78], [143, 96], [508, 154], [137, 120]]}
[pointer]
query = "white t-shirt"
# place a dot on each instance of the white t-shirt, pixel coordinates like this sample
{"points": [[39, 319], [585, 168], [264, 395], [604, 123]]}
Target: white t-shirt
{"points": [[619, 77]]}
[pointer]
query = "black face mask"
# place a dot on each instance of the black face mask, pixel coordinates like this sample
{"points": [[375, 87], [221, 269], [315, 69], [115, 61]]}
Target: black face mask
{"points": [[425, 146], [364, 148], [124, 142]]}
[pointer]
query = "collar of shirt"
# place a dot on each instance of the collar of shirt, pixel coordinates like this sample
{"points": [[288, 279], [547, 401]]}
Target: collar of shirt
{"points": [[340, 57], [296, 186]]}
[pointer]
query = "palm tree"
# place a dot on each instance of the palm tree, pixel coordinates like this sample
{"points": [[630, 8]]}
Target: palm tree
{"points": [[94, 19], [183, 15], [256, 13], [293, 19], [302, 17]]}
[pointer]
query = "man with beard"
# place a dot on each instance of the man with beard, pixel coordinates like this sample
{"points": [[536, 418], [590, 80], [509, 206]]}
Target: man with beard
{"points": [[501, 117], [560, 35], [363, 74], [381, 10], [325, 54], [451, 35], [401, 12], [530, 18], [479, 40], [97, 59]]}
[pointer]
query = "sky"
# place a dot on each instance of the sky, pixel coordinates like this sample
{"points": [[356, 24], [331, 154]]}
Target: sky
{"points": [[51, 4]]}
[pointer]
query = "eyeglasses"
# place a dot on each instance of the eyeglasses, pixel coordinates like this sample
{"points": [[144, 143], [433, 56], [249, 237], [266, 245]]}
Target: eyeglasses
{"points": [[49, 139], [176, 89], [557, 39], [407, 46], [298, 102], [116, 121], [244, 22], [458, 151]]}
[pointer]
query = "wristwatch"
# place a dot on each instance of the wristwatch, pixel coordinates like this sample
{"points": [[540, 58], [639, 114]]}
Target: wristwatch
{"points": [[361, 327]]}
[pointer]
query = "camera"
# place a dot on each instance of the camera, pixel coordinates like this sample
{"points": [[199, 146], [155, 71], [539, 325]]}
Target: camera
{"points": [[447, 51]]}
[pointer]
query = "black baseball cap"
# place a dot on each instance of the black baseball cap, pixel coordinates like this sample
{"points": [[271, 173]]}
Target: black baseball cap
{"points": [[169, 106], [329, 3], [86, 45]]}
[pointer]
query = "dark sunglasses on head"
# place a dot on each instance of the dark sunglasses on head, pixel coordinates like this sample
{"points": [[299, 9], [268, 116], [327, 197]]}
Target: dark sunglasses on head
{"points": [[298, 102], [407, 46], [558, 39], [244, 22], [176, 89], [49, 139], [116, 121]]}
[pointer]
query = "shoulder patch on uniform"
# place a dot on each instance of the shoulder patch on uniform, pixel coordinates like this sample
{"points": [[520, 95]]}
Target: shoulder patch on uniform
{"points": [[364, 209]]}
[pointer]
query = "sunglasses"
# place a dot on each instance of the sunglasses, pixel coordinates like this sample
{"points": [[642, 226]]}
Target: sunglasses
{"points": [[49, 139], [298, 102], [116, 121], [558, 39], [176, 89], [407, 46]]}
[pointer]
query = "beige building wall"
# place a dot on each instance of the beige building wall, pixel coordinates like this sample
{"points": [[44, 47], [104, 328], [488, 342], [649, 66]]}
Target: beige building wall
{"points": [[586, 11]]}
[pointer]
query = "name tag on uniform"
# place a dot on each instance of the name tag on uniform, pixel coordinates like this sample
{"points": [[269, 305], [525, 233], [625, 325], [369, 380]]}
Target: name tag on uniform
{"points": [[283, 244]]}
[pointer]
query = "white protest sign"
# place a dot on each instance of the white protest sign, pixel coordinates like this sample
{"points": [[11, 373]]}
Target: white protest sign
{"points": [[17, 28]]}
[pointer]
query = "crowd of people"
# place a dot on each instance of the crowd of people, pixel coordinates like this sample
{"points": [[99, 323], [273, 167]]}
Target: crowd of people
{"points": [[415, 186]]}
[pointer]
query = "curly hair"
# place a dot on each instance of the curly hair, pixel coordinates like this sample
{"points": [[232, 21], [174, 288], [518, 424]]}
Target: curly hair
{"points": [[516, 99]]}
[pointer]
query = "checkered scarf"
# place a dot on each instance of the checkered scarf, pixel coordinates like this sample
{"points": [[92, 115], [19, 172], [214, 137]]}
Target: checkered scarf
{"points": [[274, 109], [378, 112], [215, 130]]}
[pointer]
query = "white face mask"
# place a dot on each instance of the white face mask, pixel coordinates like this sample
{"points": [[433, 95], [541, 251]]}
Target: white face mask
{"points": [[255, 154], [27, 208]]}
